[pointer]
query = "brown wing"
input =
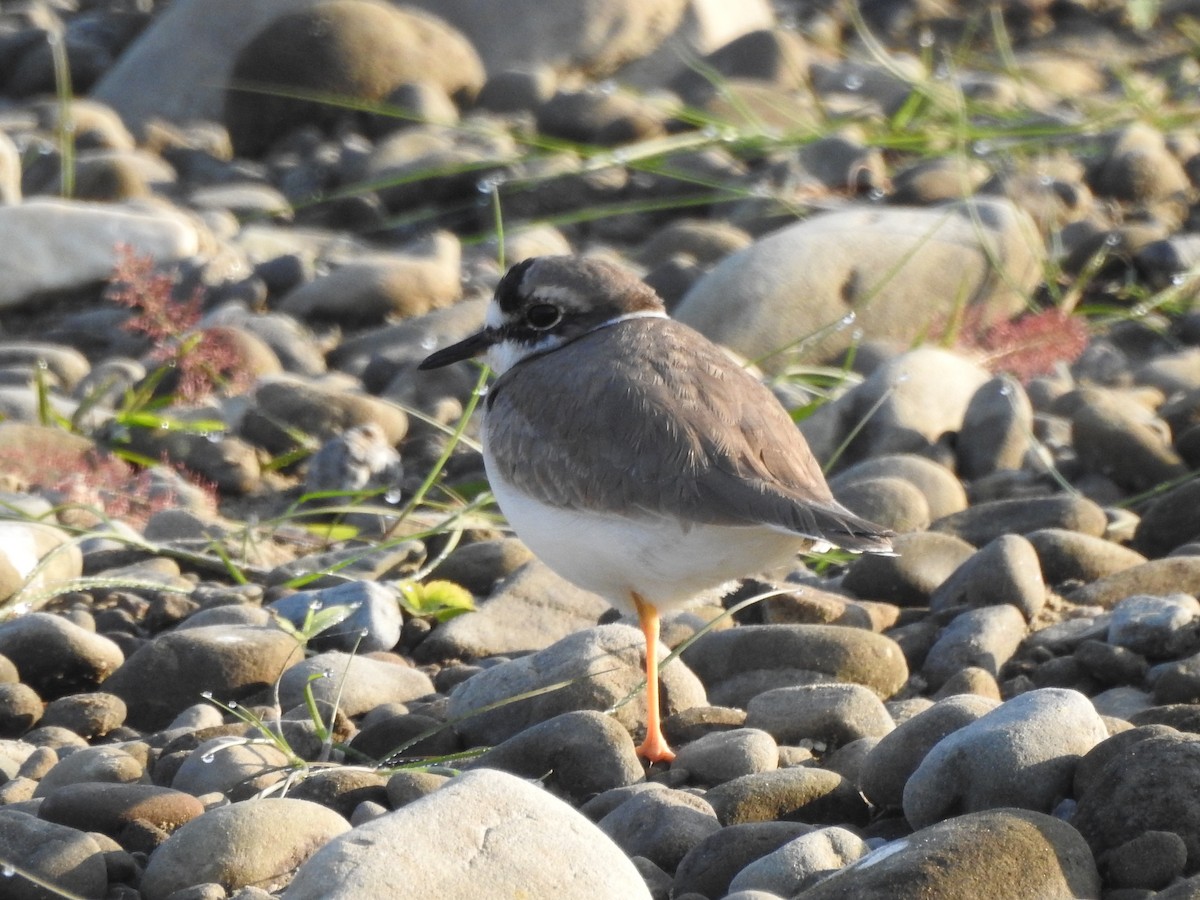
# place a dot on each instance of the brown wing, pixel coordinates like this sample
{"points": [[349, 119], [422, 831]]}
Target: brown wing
{"points": [[650, 415]]}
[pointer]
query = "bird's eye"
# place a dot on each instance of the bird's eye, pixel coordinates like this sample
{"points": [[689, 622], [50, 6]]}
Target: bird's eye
{"points": [[543, 315]]}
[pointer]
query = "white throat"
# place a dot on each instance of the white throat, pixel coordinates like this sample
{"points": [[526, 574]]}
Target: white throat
{"points": [[503, 355]]}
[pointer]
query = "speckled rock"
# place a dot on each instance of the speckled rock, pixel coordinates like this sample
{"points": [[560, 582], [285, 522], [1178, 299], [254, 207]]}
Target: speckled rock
{"points": [[1031, 854], [1023, 753], [430, 849], [897, 755], [605, 664], [256, 843]]}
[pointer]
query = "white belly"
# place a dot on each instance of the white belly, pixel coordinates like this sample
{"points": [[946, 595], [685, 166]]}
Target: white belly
{"points": [[666, 563]]}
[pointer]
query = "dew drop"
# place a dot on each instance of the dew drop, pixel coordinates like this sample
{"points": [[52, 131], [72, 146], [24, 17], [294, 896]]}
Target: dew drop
{"points": [[487, 185], [232, 704], [876, 194], [711, 132], [207, 695], [1006, 390], [848, 319], [43, 365], [925, 39], [8, 870], [1178, 278], [429, 342], [981, 148], [392, 496], [853, 82], [857, 335], [1111, 240], [208, 757], [608, 87], [214, 437], [1045, 180]]}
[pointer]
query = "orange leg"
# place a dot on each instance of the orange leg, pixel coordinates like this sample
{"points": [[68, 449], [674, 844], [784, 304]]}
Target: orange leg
{"points": [[654, 748]]}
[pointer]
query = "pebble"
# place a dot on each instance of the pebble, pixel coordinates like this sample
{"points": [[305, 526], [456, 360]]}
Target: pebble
{"points": [[1154, 775], [893, 760], [256, 843], [356, 684], [173, 671], [55, 657], [430, 848], [1158, 627], [826, 714], [801, 862], [1156, 577], [65, 857], [661, 826], [1041, 857], [529, 610], [372, 616], [710, 865], [1021, 754], [725, 755], [985, 522], [584, 752], [997, 429], [985, 638], [922, 563], [829, 651], [809, 795], [603, 665], [1005, 570]]}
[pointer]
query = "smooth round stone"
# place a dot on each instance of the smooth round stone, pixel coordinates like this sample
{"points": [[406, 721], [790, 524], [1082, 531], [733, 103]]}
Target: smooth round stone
{"points": [[971, 680], [105, 763], [1111, 664], [57, 855], [690, 725], [408, 785], [810, 795], [355, 684], [997, 429], [830, 261], [478, 566], [529, 610], [409, 734], [1157, 627], [1005, 570], [943, 492], [325, 408], [109, 808], [170, 673], [1124, 442], [368, 290], [1156, 577], [585, 753], [894, 503], [88, 715], [827, 714], [1022, 754], [985, 522], [372, 622], [1068, 556], [256, 843], [905, 405], [712, 864], [230, 766], [1151, 861], [892, 761], [661, 826], [922, 562], [430, 849], [56, 657], [986, 637], [1147, 785], [1039, 856], [834, 652], [604, 665], [724, 755], [811, 606], [1140, 167], [1169, 521], [342, 789], [801, 862], [20, 709]]}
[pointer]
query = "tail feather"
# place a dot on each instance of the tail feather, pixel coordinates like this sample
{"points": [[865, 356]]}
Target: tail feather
{"points": [[844, 529]]}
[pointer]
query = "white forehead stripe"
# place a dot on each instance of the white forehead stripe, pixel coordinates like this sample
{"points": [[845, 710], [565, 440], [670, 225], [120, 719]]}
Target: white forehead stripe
{"points": [[640, 314]]}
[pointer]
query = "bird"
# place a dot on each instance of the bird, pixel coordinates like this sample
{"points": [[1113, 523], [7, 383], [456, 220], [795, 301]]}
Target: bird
{"points": [[633, 455]]}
